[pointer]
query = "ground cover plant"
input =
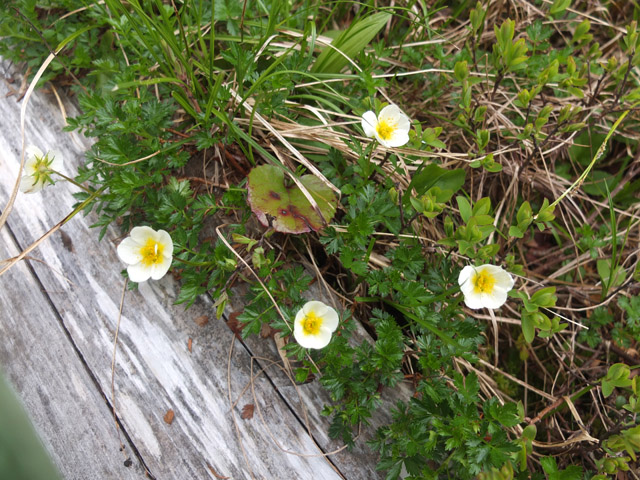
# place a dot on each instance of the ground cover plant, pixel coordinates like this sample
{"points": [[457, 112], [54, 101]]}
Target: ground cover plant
{"points": [[462, 175]]}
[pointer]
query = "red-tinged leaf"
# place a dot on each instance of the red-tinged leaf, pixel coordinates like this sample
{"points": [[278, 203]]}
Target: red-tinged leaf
{"points": [[283, 206]]}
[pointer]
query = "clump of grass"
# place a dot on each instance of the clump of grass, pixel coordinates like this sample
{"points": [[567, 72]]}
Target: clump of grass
{"points": [[522, 153]]}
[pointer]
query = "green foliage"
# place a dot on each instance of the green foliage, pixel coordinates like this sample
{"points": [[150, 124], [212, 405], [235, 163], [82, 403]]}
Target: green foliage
{"points": [[448, 430], [476, 227], [532, 317], [349, 43], [550, 467], [507, 54], [617, 376], [523, 136]]}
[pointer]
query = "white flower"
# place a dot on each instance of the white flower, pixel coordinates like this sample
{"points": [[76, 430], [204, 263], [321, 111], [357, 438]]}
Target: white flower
{"points": [[38, 169], [485, 286], [391, 127], [314, 324], [148, 253]]}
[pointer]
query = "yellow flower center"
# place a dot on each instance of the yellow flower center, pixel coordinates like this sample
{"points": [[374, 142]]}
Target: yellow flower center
{"points": [[385, 129], [311, 324], [151, 252], [483, 282]]}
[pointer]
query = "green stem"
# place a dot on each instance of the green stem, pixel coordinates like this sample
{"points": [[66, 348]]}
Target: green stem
{"points": [[71, 180], [598, 154]]}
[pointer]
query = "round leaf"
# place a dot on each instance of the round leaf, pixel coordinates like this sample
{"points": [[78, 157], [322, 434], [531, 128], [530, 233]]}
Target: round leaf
{"points": [[279, 203]]}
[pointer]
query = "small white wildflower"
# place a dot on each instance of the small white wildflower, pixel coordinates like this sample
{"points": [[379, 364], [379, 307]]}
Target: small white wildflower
{"points": [[147, 252], [390, 128], [38, 169], [314, 324], [485, 286]]}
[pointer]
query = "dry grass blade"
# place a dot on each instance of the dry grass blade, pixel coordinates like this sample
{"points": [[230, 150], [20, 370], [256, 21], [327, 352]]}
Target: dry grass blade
{"points": [[23, 113]]}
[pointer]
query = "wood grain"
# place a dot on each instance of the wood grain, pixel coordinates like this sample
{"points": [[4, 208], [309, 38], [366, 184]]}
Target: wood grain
{"points": [[71, 415], [59, 320]]}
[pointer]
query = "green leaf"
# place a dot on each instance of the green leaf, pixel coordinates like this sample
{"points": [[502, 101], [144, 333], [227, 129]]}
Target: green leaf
{"points": [[545, 214], [524, 214], [430, 137], [461, 70], [465, 208], [515, 232], [529, 432], [394, 471], [350, 42], [610, 279], [283, 205], [504, 33], [581, 31], [488, 251], [482, 208], [617, 376], [559, 6], [545, 297], [549, 464], [528, 329], [434, 176], [302, 374]]}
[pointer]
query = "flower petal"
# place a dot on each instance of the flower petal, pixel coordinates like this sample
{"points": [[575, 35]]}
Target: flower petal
{"points": [[165, 240], [28, 184], [398, 139], [494, 300], [314, 306], [320, 340], [299, 318], [302, 338], [56, 160], [141, 234], [160, 269], [393, 115], [138, 273], [129, 251], [34, 151], [474, 301], [30, 166], [464, 279], [369, 122], [390, 113], [503, 279], [143, 264], [330, 321]]}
